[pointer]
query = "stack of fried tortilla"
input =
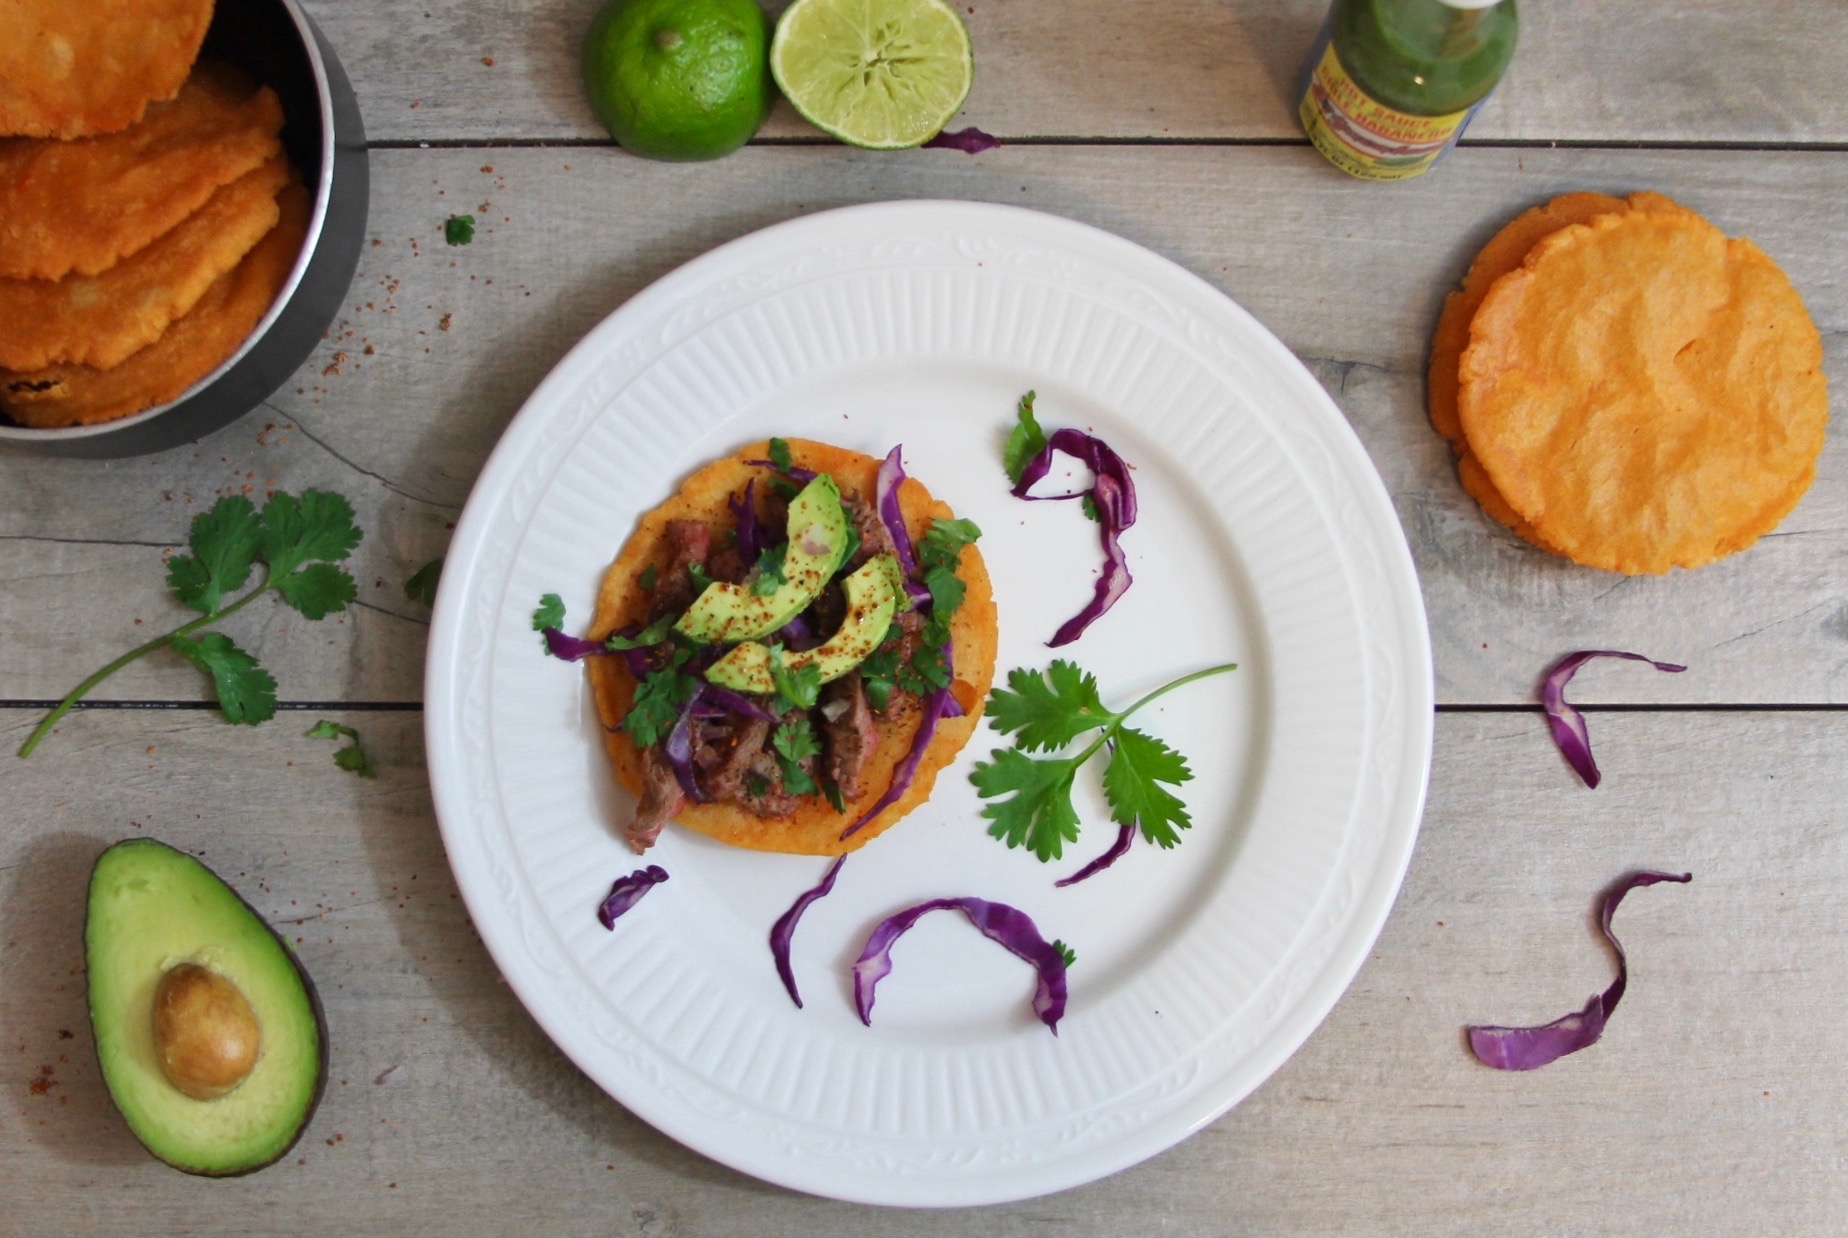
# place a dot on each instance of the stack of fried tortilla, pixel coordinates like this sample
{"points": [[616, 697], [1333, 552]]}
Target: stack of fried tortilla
{"points": [[1627, 387], [148, 216]]}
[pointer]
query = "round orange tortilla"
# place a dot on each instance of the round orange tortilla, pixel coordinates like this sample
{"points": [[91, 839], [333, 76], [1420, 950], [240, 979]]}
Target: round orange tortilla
{"points": [[1644, 391], [191, 347], [72, 68], [814, 828]]}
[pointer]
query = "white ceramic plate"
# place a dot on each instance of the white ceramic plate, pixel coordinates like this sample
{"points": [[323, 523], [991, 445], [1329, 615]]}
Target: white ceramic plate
{"points": [[1265, 538]]}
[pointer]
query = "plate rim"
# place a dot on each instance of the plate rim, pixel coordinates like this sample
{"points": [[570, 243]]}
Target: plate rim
{"points": [[1398, 836]]}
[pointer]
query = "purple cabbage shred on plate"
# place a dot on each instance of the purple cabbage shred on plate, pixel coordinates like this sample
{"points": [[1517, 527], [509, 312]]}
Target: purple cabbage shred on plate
{"points": [[783, 932], [1126, 834], [885, 495], [1007, 926], [1113, 500], [627, 892], [570, 648], [970, 141], [1528, 1048], [1566, 722]]}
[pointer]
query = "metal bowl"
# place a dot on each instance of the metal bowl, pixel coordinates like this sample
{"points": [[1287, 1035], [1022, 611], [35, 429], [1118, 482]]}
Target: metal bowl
{"points": [[275, 42]]}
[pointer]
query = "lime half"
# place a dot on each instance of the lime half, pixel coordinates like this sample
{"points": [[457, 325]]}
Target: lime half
{"points": [[884, 74]]}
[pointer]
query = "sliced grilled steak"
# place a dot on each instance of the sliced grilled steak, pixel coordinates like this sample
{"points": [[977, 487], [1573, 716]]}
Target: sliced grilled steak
{"points": [[662, 798], [726, 783], [689, 542], [874, 539], [851, 736]]}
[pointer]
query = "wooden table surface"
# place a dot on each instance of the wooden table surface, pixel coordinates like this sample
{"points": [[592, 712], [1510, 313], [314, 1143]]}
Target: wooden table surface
{"points": [[1718, 1101]]}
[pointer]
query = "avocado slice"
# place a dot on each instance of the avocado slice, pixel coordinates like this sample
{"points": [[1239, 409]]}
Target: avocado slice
{"points": [[817, 546], [178, 965], [873, 595]]}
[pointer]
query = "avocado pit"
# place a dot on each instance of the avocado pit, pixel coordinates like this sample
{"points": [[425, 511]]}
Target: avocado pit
{"points": [[205, 1033]]}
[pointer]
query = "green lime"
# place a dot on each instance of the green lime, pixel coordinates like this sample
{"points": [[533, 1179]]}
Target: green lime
{"points": [[884, 74], [679, 79]]}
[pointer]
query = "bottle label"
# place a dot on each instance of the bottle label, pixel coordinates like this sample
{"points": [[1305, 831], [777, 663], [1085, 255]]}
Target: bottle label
{"points": [[1364, 137]]}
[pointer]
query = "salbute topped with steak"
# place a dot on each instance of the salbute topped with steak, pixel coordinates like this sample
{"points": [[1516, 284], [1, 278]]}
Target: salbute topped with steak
{"points": [[801, 638]]}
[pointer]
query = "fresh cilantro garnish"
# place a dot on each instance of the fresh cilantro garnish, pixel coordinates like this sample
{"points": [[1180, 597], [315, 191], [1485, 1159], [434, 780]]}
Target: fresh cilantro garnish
{"points": [[647, 578], [794, 741], [550, 613], [1050, 709], [647, 638], [659, 698], [797, 687], [770, 576], [1088, 505], [700, 577], [298, 542], [833, 791], [459, 229], [1024, 441], [352, 757], [879, 672], [780, 459], [938, 552], [756, 785], [421, 587], [1065, 952]]}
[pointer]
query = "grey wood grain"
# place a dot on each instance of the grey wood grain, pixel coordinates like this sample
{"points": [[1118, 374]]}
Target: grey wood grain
{"points": [[1712, 1105], [1600, 70], [440, 345]]}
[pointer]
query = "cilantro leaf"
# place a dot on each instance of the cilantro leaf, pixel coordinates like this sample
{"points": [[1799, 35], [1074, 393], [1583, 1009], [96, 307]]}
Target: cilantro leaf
{"points": [[421, 587], [796, 739], [878, 673], [246, 692], [770, 576], [318, 589], [224, 543], [833, 791], [550, 613], [647, 638], [946, 590], [944, 540], [1050, 708], [352, 757], [1024, 441], [1132, 783], [647, 578], [798, 686], [319, 525], [1040, 816], [780, 459], [1088, 505], [702, 580], [659, 698], [1065, 952], [459, 229], [925, 671]]}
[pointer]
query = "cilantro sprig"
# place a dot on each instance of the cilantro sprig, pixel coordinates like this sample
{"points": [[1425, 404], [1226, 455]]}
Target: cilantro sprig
{"points": [[352, 757], [1049, 710], [421, 587], [794, 741], [939, 551], [1024, 441], [797, 687], [298, 543], [659, 698]]}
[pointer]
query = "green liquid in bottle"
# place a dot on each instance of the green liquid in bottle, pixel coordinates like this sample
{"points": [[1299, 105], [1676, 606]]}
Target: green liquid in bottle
{"points": [[1393, 82]]}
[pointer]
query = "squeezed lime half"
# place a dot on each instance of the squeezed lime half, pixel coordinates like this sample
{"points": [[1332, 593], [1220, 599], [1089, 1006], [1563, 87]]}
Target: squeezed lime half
{"points": [[883, 74]]}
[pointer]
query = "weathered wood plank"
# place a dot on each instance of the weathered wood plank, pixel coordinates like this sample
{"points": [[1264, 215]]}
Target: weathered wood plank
{"points": [[1695, 71], [1713, 1103], [441, 345]]}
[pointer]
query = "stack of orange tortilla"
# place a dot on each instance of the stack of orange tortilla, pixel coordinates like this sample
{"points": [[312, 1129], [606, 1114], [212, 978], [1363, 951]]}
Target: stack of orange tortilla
{"points": [[1626, 387], [148, 217]]}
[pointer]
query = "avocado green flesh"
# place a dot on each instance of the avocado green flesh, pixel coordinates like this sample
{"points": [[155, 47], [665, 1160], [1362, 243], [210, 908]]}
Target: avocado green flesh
{"points": [[817, 542], [152, 907], [872, 599]]}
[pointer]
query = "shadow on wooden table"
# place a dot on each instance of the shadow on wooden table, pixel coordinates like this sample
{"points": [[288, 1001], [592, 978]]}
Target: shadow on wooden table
{"points": [[44, 1014]]}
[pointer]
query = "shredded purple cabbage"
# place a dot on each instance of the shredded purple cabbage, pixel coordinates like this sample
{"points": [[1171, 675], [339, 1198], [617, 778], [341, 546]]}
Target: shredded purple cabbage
{"points": [[1567, 723], [784, 929], [627, 892], [970, 141], [1125, 835], [794, 472], [1007, 926], [569, 648], [885, 493], [1527, 1048], [1113, 494], [938, 705], [736, 702], [679, 752], [750, 533], [798, 634]]}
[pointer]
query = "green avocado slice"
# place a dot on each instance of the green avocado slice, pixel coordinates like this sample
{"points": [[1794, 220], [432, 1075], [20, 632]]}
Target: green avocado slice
{"points": [[873, 594], [153, 909], [817, 544]]}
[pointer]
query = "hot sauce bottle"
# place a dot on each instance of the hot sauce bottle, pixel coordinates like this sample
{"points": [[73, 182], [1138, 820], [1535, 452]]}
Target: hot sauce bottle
{"points": [[1392, 83]]}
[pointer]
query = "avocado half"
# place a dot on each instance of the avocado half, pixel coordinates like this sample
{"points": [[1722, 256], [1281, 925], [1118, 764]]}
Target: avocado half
{"points": [[151, 909]]}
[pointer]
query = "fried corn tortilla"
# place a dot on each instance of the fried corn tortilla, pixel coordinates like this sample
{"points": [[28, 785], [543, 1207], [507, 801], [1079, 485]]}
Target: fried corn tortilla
{"points": [[82, 206], [73, 68], [195, 345], [101, 320], [814, 828], [1645, 392]]}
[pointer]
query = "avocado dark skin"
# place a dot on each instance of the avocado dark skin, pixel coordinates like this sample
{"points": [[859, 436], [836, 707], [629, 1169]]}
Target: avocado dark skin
{"points": [[158, 915]]}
